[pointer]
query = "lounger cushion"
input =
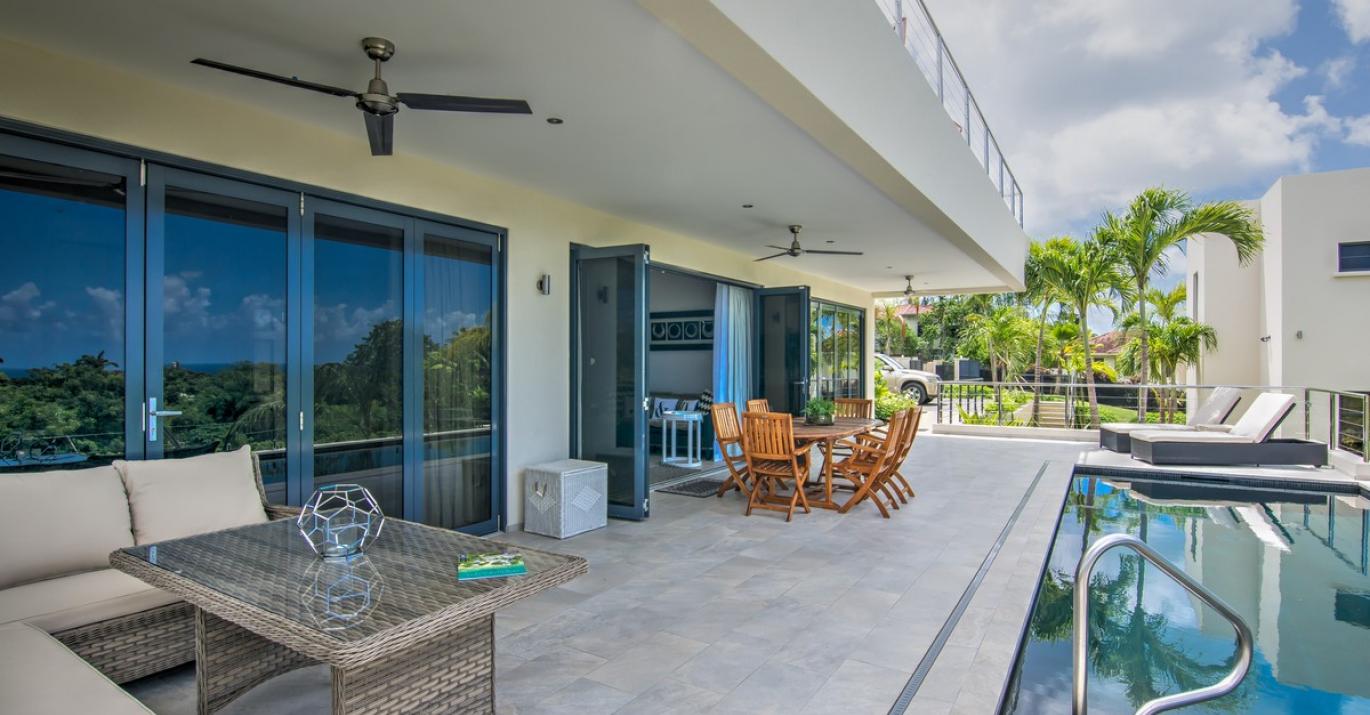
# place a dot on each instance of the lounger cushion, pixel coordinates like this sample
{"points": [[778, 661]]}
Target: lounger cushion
{"points": [[1191, 436], [173, 498], [39, 676], [1133, 427], [1263, 416], [1217, 407], [60, 522], [79, 600]]}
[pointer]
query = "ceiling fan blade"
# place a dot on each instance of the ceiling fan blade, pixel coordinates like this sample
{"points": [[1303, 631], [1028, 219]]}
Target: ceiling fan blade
{"points": [[289, 81], [380, 131], [834, 253], [767, 258], [453, 103], [778, 248]]}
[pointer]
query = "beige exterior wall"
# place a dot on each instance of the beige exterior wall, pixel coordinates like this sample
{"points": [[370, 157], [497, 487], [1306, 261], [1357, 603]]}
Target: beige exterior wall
{"points": [[71, 94]]}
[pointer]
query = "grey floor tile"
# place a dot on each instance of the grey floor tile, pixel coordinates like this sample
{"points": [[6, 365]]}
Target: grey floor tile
{"points": [[671, 696], [858, 687], [580, 697], [646, 664]]}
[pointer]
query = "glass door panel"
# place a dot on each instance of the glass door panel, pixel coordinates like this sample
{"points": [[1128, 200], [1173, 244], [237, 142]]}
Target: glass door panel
{"points": [[63, 364], [357, 347], [460, 341], [609, 374], [218, 276], [783, 347]]}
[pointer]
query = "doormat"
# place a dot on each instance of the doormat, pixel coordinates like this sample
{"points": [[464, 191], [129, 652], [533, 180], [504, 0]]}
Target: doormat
{"points": [[698, 488]]}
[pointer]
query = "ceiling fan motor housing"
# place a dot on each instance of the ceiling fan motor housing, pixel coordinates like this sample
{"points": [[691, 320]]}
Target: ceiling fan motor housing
{"points": [[377, 99]]}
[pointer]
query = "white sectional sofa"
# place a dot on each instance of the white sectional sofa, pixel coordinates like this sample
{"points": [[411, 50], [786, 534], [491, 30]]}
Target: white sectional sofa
{"points": [[57, 591]]}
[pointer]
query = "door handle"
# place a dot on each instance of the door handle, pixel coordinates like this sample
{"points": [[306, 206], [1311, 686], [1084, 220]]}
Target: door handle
{"points": [[152, 414]]}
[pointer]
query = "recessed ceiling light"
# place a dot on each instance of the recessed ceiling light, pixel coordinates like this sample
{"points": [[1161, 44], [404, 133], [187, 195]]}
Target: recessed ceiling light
{"points": [[748, 206], [555, 120], [830, 241], [888, 267]]}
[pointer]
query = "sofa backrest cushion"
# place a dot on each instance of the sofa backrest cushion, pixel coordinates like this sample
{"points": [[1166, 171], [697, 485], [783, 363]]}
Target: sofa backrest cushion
{"points": [[60, 522], [172, 498]]}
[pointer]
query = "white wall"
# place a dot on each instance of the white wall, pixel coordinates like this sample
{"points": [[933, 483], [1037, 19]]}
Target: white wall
{"points": [[75, 95], [1228, 297]]}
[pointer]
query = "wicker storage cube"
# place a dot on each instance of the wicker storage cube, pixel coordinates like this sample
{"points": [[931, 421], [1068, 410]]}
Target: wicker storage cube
{"points": [[565, 498]]}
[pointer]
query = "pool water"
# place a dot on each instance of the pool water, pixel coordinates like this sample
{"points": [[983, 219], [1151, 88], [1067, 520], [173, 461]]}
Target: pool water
{"points": [[1294, 564]]}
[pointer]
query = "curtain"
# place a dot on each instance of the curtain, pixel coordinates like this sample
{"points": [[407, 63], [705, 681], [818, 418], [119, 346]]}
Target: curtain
{"points": [[733, 311]]}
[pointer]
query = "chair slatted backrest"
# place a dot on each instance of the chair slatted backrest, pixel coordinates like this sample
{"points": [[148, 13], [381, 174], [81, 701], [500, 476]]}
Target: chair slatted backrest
{"points": [[894, 436], [726, 428], [854, 407], [768, 436], [760, 405], [905, 444]]}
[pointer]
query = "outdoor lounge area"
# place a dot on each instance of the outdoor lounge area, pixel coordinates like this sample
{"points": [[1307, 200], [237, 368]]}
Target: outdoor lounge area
{"points": [[684, 356]]}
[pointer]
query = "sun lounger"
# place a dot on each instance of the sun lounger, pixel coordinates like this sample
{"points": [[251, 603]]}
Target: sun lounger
{"points": [[1249, 442], [1210, 415]]}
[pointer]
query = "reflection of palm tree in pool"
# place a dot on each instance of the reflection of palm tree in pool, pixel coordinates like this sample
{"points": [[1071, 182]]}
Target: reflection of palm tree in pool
{"points": [[1126, 643]]}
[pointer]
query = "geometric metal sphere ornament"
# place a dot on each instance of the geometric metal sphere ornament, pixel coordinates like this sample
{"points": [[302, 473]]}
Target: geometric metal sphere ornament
{"points": [[340, 593], [340, 520]]}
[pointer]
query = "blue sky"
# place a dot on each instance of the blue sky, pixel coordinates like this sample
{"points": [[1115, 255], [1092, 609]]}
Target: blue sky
{"points": [[1093, 100]]}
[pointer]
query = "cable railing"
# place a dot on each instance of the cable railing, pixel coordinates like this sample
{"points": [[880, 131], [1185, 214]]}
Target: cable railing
{"points": [[1338, 416], [914, 26]]}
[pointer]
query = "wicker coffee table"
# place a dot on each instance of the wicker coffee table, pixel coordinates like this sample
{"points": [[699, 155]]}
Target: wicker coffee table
{"points": [[400, 633]]}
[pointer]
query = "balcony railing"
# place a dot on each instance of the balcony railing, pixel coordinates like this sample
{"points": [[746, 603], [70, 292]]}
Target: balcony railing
{"points": [[1322, 414], [919, 34]]}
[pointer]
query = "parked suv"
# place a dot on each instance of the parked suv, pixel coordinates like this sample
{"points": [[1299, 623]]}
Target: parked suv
{"points": [[917, 384]]}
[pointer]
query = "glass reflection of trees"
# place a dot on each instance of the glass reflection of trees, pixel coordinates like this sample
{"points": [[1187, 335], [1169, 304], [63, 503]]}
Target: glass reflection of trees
{"points": [[836, 337]]}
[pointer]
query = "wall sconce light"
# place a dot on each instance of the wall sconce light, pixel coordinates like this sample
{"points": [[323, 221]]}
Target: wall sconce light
{"points": [[545, 284]]}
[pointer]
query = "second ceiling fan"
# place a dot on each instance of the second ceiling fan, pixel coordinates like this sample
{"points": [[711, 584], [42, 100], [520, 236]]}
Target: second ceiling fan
{"points": [[795, 250], [378, 105]]}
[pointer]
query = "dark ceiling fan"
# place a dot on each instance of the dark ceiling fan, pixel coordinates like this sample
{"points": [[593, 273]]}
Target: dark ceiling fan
{"points": [[795, 250], [378, 105]]}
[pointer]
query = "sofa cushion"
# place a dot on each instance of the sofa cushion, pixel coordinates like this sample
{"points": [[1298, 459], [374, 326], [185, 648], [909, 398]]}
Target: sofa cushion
{"points": [[79, 600], [172, 498], [39, 676], [54, 523]]}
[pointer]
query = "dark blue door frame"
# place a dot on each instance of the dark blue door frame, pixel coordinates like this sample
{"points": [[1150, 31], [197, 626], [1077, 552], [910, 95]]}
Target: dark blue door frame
{"points": [[641, 255], [759, 381]]}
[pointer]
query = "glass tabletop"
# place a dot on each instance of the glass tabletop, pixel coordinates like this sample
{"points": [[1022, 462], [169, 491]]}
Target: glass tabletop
{"points": [[683, 415], [410, 571]]}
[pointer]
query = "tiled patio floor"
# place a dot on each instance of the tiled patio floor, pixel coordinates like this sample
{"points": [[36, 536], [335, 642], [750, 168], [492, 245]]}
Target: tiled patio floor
{"points": [[700, 609]]}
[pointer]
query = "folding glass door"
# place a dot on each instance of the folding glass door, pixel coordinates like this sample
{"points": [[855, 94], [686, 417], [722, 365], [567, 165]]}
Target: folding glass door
{"points": [[782, 349], [199, 314], [609, 369], [70, 370]]}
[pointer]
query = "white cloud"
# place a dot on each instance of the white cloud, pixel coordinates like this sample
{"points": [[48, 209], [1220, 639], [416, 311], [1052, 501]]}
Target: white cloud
{"points": [[21, 305], [1336, 70], [1355, 17], [1358, 130], [1094, 100], [110, 305]]}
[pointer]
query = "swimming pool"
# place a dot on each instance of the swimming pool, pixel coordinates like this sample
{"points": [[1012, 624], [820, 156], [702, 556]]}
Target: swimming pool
{"points": [[1294, 564]]}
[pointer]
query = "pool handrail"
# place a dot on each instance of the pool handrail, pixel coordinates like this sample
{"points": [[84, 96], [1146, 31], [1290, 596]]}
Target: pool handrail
{"points": [[1080, 645]]}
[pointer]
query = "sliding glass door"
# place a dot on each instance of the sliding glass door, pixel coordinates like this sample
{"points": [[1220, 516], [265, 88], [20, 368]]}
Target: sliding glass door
{"points": [[836, 350], [609, 369], [72, 230], [150, 312]]}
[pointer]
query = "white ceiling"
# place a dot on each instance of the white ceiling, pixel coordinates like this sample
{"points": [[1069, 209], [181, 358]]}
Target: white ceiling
{"points": [[653, 130]]}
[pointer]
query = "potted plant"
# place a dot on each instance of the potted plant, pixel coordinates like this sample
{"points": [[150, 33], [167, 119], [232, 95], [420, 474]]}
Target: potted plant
{"points": [[819, 411]]}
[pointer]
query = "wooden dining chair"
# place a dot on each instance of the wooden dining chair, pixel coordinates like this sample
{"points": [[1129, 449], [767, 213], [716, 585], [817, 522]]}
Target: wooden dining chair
{"points": [[901, 485], [854, 407], [761, 405], [868, 466], [729, 435], [773, 459]]}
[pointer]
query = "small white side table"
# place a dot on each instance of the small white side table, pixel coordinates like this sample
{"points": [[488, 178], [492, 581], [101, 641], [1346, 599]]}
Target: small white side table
{"points": [[694, 452]]}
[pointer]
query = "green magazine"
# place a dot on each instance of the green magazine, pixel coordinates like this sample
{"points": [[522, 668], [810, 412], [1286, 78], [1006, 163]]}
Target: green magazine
{"points": [[492, 564]]}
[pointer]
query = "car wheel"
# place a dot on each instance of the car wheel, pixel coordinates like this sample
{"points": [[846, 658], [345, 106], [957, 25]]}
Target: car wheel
{"points": [[915, 392]]}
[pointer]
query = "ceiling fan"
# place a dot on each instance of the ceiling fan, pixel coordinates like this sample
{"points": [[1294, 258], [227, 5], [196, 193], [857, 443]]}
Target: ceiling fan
{"points": [[795, 250], [378, 105]]}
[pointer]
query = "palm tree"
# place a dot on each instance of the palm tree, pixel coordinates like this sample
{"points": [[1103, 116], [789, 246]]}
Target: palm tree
{"points": [[1086, 275], [1159, 219], [887, 314], [1041, 291], [1003, 334], [1182, 341]]}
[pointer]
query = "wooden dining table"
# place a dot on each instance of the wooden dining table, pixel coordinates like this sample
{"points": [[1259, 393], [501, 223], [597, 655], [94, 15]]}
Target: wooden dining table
{"points": [[827, 436]]}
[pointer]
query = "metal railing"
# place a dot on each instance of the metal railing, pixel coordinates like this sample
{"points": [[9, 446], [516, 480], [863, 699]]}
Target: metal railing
{"points": [[1338, 415], [919, 34], [1080, 641]]}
